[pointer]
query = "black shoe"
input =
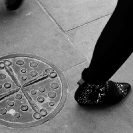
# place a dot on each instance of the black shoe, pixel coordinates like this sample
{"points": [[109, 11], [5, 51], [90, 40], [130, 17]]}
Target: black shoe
{"points": [[107, 94], [13, 4]]}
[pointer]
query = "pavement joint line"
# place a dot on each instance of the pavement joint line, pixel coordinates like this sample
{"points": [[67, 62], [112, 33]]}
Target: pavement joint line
{"points": [[127, 108], [65, 32], [51, 17], [75, 47], [75, 66], [88, 22], [56, 23]]}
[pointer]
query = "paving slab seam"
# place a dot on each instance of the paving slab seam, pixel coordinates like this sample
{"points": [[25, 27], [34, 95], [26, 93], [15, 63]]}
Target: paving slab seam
{"points": [[127, 108], [88, 22], [51, 17], [75, 66], [67, 37], [56, 23]]}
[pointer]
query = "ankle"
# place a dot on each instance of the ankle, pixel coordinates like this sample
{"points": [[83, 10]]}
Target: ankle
{"points": [[89, 78], [81, 81]]}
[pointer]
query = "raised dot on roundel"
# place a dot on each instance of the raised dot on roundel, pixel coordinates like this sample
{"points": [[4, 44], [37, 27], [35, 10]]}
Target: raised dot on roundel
{"points": [[42, 89], [40, 99], [44, 74], [20, 62], [3, 111], [7, 85], [52, 94], [37, 115], [43, 112], [53, 75], [24, 107], [23, 70], [7, 63], [52, 103], [49, 70], [24, 78], [17, 115], [10, 103], [54, 85], [33, 73], [2, 65], [2, 76], [33, 92], [33, 64], [18, 96]]}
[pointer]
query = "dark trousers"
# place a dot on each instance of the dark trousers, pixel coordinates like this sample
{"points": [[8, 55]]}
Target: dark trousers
{"points": [[114, 45]]}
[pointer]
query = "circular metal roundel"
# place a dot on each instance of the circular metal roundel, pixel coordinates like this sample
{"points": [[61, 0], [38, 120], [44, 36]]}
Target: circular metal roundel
{"points": [[32, 90]]}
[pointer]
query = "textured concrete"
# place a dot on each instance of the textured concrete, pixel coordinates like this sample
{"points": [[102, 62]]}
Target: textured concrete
{"points": [[32, 30], [72, 13]]}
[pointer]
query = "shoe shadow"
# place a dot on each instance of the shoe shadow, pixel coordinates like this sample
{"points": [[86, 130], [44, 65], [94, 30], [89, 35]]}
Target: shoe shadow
{"points": [[102, 106], [97, 107]]}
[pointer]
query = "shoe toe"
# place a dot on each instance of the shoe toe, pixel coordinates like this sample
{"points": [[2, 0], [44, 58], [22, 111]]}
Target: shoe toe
{"points": [[124, 88]]}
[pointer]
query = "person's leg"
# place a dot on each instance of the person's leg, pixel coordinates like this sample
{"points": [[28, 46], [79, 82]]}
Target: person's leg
{"points": [[113, 47], [111, 51]]}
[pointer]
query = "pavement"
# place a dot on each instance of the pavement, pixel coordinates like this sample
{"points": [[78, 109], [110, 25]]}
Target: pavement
{"points": [[65, 33]]}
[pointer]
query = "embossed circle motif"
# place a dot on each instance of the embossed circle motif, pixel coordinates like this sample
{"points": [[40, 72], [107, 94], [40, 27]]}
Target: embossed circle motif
{"points": [[33, 90]]}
